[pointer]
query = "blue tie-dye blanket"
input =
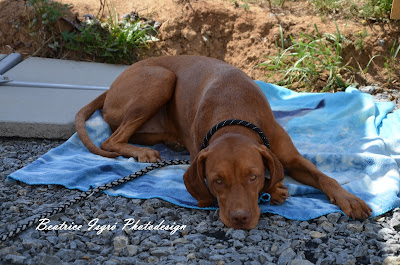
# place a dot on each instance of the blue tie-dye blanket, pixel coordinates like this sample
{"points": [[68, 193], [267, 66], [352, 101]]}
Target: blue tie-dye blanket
{"points": [[347, 135]]}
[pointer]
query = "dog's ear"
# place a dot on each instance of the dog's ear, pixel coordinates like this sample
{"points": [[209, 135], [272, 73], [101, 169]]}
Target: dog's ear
{"points": [[194, 181], [274, 166]]}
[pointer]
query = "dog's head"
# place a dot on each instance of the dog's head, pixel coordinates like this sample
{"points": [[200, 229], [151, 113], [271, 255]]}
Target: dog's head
{"points": [[234, 168]]}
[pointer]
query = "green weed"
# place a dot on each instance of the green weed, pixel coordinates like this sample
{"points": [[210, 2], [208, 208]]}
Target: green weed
{"points": [[391, 62], [43, 23], [372, 9], [245, 6], [359, 41], [46, 11], [242, 4], [365, 9], [311, 60], [327, 6], [113, 40]]}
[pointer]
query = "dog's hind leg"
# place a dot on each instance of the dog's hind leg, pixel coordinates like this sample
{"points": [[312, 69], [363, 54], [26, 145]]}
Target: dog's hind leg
{"points": [[135, 97]]}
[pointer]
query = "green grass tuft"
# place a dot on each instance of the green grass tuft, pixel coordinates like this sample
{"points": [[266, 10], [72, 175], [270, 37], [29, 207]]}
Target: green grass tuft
{"points": [[310, 61], [113, 40], [391, 63]]}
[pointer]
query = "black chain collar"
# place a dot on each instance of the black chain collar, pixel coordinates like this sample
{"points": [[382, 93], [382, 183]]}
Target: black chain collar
{"points": [[234, 122]]}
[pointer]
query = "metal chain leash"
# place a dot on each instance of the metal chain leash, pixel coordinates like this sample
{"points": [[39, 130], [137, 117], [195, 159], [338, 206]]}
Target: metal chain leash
{"points": [[86, 194]]}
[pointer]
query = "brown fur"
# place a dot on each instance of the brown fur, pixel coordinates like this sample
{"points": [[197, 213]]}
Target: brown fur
{"points": [[176, 100]]}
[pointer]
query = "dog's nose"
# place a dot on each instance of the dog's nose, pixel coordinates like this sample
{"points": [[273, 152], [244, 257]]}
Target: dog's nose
{"points": [[240, 217]]}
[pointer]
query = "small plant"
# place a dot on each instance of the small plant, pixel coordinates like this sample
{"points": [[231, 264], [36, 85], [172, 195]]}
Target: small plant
{"points": [[279, 3], [359, 41], [311, 61], [373, 9], [244, 5], [43, 23], [262, 3], [48, 12], [391, 62], [327, 6], [112, 39]]}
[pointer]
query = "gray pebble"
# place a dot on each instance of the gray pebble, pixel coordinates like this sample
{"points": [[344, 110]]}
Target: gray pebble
{"points": [[372, 227], [387, 233], [238, 244], [283, 248], [112, 262], [355, 227], [202, 227], [48, 259], [316, 234], [391, 260], [10, 161], [304, 224], [192, 237], [216, 257], [15, 259], [373, 235], [395, 221], [120, 242], [263, 257], [286, 257], [29, 244], [238, 234], [328, 260], [344, 258], [159, 252], [94, 247], [66, 255], [178, 259], [300, 262], [132, 250], [52, 239], [254, 238], [327, 226], [360, 251], [368, 89], [334, 217], [374, 260]]}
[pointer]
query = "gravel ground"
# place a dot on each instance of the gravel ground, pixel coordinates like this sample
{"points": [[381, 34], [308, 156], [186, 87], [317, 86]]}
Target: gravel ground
{"points": [[331, 239]]}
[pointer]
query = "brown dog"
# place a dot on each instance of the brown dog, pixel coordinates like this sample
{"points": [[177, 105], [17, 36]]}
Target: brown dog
{"points": [[176, 101]]}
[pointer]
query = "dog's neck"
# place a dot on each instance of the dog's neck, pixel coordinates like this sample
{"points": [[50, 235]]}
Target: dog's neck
{"points": [[236, 130], [234, 122]]}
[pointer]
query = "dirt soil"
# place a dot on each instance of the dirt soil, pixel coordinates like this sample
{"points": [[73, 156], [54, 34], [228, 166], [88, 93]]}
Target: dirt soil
{"points": [[216, 28]]}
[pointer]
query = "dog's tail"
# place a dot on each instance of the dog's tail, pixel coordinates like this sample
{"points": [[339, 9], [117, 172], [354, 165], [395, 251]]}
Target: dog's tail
{"points": [[81, 117]]}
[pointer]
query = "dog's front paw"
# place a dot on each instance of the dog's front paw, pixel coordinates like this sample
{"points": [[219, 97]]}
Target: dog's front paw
{"points": [[351, 205], [279, 193]]}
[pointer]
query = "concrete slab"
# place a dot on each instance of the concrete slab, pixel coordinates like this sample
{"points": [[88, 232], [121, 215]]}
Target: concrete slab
{"points": [[43, 70], [49, 112]]}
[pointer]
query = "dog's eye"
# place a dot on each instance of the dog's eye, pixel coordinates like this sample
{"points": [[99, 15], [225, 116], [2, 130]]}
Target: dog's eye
{"points": [[253, 177], [218, 181]]}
